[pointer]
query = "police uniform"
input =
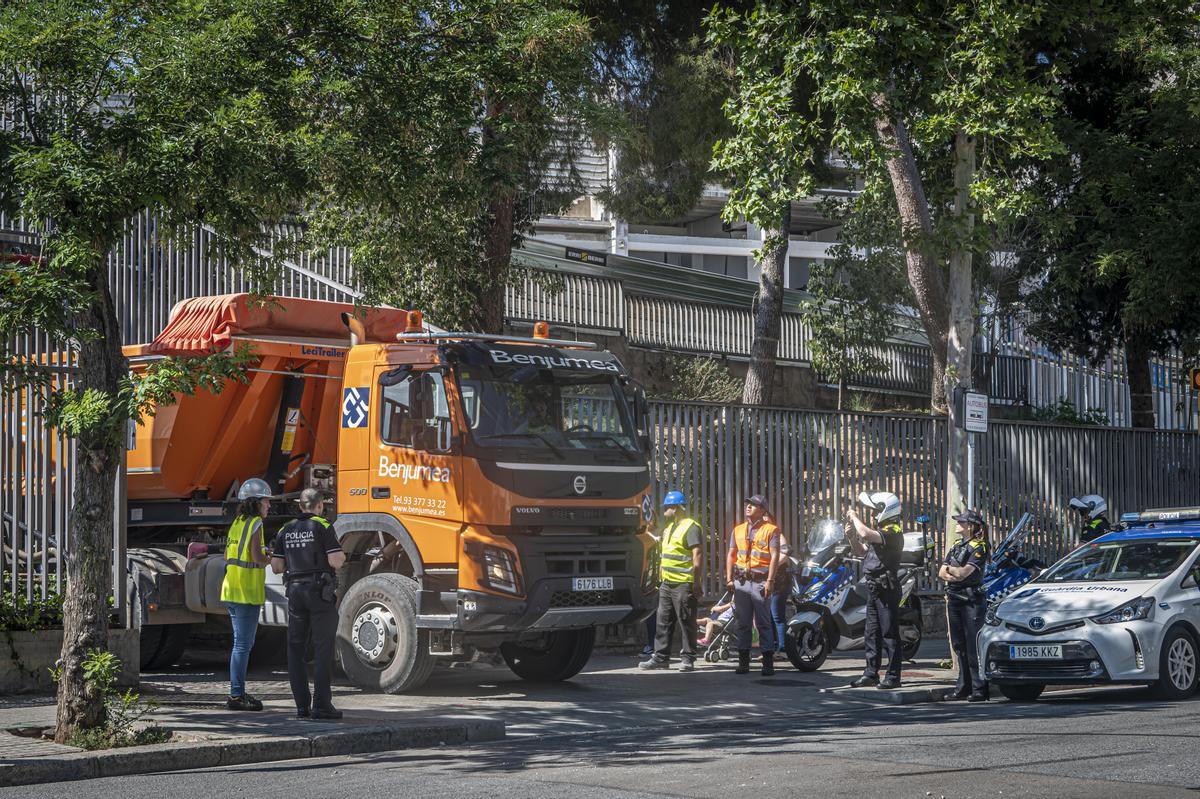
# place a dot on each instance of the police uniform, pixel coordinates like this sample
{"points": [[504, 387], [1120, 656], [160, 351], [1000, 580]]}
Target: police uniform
{"points": [[1094, 528], [305, 544], [966, 605], [676, 597], [881, 567]]}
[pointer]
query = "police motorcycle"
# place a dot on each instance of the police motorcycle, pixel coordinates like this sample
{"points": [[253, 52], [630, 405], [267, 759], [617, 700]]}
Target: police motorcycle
{"points": [[1009, 568], [831, 598]]}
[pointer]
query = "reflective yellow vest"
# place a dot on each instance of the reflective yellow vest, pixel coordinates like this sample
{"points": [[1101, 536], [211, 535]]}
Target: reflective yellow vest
{"points": [[676, 554], [245, 581]]}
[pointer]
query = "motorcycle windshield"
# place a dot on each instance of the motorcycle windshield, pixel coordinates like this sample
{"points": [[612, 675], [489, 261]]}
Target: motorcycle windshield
{"points": [[825, 534]]}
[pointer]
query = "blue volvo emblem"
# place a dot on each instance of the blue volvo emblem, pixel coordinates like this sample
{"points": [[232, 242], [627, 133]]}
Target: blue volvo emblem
{"points": [[1037, 623]]}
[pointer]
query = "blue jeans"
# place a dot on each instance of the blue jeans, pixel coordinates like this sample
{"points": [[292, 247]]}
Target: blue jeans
{"points": [[779, 610], [244, 619]]}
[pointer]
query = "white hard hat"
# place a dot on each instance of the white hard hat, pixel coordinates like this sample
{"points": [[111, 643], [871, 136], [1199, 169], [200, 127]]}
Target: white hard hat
{"points": [[1091, 504], [254, 489], [885, 504]]}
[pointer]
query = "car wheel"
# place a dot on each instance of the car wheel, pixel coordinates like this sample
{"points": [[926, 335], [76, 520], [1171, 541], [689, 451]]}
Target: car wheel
{"points": [[1177, 666], [1021, 693]]}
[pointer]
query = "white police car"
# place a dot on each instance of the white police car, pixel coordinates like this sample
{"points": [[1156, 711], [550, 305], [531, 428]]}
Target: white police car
{"points": [[1124, 608]]}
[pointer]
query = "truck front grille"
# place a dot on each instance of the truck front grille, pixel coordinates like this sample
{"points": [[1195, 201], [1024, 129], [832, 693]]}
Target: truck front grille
{"points": [[582, 599], [584, 564]]}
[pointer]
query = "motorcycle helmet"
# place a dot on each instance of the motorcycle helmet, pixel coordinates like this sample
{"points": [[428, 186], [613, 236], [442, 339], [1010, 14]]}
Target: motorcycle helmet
{"points": [[885, 504], [1090, 505]]}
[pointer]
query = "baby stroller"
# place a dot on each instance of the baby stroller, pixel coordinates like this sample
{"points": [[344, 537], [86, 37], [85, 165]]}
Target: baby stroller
{"points": [[723, 643]]}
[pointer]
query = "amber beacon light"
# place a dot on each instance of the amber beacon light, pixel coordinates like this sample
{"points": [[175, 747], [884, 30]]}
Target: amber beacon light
{"points": [[541, 330]]}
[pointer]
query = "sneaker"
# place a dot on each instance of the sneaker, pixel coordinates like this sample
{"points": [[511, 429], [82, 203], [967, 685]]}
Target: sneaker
{"points": [[686, 665], [653, 663], [243, 702], [865, 682], [888, 683], [329, 713]]}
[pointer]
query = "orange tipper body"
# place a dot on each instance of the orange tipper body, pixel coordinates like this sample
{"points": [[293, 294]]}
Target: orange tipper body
{"points": [[508, 477]]}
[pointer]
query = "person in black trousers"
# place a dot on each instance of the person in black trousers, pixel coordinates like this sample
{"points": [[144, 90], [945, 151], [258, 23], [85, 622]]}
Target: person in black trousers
{"points": [[880, 547], [308, 555], [966, 601]]}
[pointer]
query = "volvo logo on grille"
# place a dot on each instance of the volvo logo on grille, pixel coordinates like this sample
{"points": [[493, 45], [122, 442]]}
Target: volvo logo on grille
{"points": [[1037, 623], [580, 484]]}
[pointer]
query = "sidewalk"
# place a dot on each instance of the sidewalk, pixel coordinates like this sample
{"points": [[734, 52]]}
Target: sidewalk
{"points": [[206, 735]]}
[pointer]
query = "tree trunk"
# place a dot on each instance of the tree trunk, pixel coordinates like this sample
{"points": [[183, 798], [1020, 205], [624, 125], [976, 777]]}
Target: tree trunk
{"points": [[101, 368], [768, 315], [961, 334], [1141, 387], [497, 254], [917, 228]]}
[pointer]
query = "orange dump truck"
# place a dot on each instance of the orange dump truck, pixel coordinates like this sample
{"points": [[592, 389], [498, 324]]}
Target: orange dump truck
{"points": [[491, 492]]}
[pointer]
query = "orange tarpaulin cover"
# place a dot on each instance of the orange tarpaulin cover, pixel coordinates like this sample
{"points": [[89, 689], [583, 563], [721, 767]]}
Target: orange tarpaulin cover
{"points": [[207, 324]]}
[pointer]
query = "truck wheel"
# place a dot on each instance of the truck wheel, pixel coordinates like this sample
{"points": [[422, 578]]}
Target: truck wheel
{"points": [[559, 657], [378, 643], [1177, 667], [1021, 692], [162, 645]]}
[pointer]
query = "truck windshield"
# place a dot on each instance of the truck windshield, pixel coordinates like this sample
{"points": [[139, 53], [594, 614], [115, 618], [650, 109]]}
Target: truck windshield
{"points": [[552, 409], [1121, 560]]}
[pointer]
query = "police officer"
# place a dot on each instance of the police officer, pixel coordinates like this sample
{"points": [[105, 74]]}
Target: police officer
{"points": [[682, 554], [1094, 523], [966, 601], [308, 555], [880, 547], [750, 574]]}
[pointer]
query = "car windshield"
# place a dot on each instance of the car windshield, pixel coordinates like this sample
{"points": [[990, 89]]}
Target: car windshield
{"points": [[557, 410], [1121, 560]]}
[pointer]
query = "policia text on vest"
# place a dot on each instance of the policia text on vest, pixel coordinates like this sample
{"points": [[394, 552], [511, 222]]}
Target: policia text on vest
{"points": [[682, 548], [308, 555]]}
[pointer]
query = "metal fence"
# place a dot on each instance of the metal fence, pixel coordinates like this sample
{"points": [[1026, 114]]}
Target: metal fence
{"points": [[701, 327], [812, 464]]}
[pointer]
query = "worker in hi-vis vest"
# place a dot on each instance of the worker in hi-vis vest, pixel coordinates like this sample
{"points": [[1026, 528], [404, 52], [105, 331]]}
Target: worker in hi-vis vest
{"points": [[682, 555], [243, 591]]}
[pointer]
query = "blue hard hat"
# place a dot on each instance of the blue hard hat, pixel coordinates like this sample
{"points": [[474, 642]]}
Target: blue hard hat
{"points": [[674, 498]]}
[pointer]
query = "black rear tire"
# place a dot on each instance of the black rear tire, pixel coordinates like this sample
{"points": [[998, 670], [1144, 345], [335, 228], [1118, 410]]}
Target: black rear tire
{"points": [[162, 645], [1022, 692], [404, 662], [562, 655], [816, 647]]}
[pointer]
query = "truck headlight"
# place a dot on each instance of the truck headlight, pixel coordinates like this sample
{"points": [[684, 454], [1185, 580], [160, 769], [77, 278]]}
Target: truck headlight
{"points": [[1133, 610], [500, 568], [992, 618]]}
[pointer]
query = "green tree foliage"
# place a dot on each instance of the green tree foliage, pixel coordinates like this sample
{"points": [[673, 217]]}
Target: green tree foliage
{"points": [[1114, 244], [446, 122], [189, 108], [857, 293], [692, 378]]}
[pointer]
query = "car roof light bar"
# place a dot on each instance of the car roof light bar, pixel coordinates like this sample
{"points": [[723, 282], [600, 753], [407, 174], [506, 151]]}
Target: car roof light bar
{"points": [[1166, 515]]}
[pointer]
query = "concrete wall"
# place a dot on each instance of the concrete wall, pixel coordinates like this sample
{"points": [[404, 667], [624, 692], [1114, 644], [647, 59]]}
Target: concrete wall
{"points": [[26, 659]]}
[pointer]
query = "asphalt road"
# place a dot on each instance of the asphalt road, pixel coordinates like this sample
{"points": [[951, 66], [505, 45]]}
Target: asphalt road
{"points": [[1095, 743]]}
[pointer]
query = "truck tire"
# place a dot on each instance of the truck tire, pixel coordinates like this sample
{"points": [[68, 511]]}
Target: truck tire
{"points": [[561, 657], [162, 645], [378, 643]]}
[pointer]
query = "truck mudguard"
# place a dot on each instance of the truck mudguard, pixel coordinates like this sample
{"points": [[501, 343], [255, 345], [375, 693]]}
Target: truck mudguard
{"points": [[347, 524]]}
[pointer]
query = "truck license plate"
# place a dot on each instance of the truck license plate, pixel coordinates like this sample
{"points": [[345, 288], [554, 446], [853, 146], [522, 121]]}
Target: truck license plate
{"points": [[591, 583], [1035, 652]]}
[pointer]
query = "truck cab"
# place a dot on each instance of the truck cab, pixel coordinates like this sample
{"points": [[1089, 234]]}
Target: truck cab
{"points": [[491, 492]]}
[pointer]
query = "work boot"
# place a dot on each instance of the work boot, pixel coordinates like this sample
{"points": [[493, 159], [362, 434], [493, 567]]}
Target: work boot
{"points": [[768, 661], [960, 694], [303, 712], [865, 682], [888, 683], [330, 713], [978, 697], [243, 702], [653, 663], [686, 664], [743, 662]]}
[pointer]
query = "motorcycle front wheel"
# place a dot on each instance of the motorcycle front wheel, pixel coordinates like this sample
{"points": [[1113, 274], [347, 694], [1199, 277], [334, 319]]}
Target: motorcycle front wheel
{"points": [[807, 646]]}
